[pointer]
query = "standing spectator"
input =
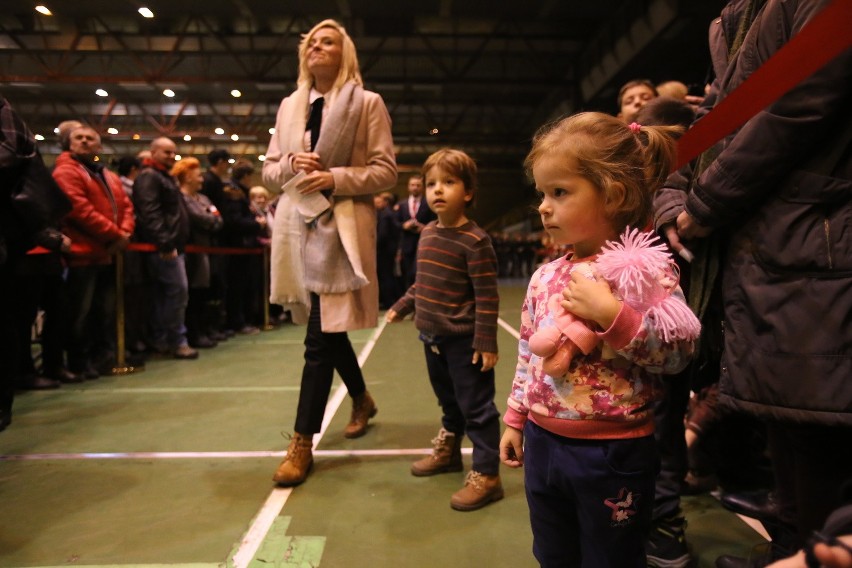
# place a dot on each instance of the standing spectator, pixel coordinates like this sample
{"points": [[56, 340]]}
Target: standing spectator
{"points": [[128, 168], [345, 149], [164, 221], [413, 214], [766, 213], [242, 230], [387, 245], [455, 304], [136, 302], [219, 162], [22, 172], [204, 221], [101, 219], [632, 96]]}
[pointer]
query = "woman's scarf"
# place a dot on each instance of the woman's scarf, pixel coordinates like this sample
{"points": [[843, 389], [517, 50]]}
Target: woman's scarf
{"points": [[338, 268]]}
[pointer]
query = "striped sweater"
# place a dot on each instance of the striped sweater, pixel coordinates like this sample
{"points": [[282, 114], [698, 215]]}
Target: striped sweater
{"points": [[455, 292]]}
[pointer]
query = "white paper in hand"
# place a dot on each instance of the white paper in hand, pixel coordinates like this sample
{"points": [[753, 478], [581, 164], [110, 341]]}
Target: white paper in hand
{"points": [[309, 206]]}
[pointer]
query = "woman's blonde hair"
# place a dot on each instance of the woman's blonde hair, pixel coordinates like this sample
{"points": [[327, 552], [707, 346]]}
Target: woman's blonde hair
{"points": [[182, 168], [349, 70], [626, 164]]}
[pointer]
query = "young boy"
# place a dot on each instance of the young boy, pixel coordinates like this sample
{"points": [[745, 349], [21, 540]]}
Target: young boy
{"points": [[455, 303]]}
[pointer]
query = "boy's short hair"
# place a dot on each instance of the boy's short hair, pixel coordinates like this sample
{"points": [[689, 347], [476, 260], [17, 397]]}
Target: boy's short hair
{"points": [[457, 163]]}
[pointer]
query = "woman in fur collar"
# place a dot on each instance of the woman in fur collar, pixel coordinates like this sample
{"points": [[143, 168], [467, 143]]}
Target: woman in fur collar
{"points": [[331, 151]]}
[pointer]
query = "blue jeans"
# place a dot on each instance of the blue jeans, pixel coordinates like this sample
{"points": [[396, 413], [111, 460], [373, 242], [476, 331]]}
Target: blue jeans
{"points": [[169, 296], [590, 500]]}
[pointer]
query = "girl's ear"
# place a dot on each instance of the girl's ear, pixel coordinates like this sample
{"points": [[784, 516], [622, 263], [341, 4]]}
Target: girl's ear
{"points": [[616, 196]]}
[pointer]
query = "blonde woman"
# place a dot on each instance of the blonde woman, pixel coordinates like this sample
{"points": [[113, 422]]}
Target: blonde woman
{"points": [[324, 261]]}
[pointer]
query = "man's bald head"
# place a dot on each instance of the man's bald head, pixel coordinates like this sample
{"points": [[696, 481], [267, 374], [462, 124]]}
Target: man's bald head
{"points": [[163, 152], [65, 128]]}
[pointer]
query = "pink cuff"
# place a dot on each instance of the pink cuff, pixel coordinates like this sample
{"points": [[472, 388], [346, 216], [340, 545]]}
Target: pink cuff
{"points": [[514, 418], [624, 328]]}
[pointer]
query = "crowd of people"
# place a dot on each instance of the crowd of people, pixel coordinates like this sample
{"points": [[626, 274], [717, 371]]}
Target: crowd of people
{"points": [[628, 372]]}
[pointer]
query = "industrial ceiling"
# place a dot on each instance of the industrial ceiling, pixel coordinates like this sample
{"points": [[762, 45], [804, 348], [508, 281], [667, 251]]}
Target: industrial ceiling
{"points": [[474, 74]]}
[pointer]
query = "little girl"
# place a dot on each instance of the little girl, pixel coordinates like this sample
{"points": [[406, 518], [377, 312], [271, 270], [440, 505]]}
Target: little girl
{"points": [[586, 438]]}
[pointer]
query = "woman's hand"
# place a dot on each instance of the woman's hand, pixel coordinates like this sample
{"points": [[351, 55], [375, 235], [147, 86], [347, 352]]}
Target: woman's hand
{"points": [[512, 447], [488, 359], [316, 181], [392, 316], [306, 161], [591, 300]]}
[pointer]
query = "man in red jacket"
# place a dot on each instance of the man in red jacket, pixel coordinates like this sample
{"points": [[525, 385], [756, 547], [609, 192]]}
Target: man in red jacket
{"points": [[101, 219]]}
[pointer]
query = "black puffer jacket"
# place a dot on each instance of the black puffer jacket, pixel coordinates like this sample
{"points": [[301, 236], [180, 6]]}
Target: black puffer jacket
{"points": [[161, 215], [780, 192]]}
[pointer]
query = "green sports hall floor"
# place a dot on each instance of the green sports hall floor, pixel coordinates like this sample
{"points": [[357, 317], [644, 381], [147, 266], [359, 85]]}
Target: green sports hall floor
{"points": [[172, 467]]}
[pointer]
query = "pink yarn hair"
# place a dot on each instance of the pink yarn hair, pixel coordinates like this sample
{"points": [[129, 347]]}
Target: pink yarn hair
{"points": [[636, 268]]}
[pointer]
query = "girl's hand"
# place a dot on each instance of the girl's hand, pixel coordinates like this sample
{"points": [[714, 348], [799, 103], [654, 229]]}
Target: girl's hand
{"points": [[392, 316], [512, 447], [488, 360], [591, 300]]}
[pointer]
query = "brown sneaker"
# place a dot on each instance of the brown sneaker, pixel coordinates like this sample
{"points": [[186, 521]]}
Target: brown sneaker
{"points": [[445, 457], [363, 408], [478, 491], [296, 465]]}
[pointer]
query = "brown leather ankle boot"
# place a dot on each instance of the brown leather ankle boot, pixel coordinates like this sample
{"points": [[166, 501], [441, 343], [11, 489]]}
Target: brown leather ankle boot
{"points": [[479, 490], [445, 457], [363, 408], [296, 465]]}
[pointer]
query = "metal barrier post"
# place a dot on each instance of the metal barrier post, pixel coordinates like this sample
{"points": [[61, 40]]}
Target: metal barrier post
{"points": [[121, 367]]}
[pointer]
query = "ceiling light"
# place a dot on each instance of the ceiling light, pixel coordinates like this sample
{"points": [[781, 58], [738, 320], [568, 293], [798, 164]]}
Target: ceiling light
{"points": [[236, 93], [168, 92], [433, 132], [43, 10], [39, 137], [219, 131], [272, 130], [136, 137], [56, 130], [178, 157], [112, 130], [231, 161], [101, 93], [146, 12], [262, 158], [235, 137], [187, 137]]}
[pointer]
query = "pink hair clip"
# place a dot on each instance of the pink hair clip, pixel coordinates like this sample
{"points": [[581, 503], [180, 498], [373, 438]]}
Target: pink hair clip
{"points": [[634, 127]]}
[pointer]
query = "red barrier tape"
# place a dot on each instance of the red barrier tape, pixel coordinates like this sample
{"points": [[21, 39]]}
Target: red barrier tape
{"points": [[825, 37], [78, 250]]}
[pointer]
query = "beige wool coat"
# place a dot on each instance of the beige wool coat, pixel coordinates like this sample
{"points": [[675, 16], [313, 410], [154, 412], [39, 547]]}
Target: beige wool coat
{"points": [[372, 169]]}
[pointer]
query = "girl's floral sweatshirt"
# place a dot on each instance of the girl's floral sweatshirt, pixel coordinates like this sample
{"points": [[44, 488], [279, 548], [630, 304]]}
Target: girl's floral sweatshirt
{"points": [[606, 394]]}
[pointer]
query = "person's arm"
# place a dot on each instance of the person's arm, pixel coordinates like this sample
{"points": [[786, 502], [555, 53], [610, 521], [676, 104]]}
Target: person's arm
{"points": [[83, 215], [516, 411], [763, 153], [482, 269], [149, 210], [379, 172], [276, 168]]}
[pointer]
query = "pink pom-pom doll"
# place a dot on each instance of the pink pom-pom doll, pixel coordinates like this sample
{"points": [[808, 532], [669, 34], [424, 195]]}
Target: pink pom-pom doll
{"points": [[569, 336], [640, 274]]}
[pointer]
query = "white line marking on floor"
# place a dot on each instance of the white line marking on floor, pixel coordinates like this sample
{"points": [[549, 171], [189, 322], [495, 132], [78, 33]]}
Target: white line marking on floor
{"points": [[514, 332], [179, 390], [272, 508], [213, 455]]}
